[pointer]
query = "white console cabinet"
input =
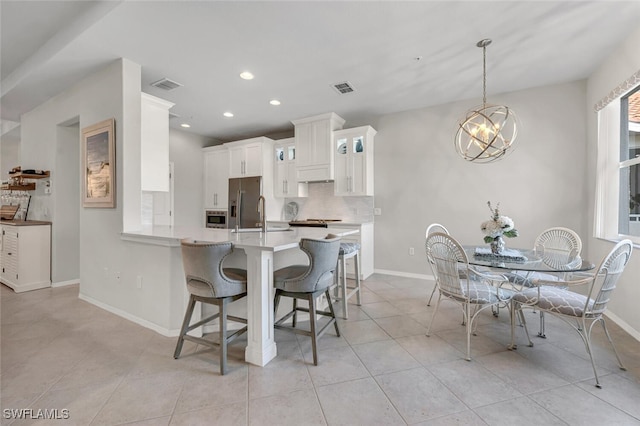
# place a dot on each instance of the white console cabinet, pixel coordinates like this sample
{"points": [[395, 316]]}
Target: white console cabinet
{"points": [[25, 252]]}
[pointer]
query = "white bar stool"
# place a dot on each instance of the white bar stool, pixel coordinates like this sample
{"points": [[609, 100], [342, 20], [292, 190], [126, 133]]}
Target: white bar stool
{"points": [[347, 251]]}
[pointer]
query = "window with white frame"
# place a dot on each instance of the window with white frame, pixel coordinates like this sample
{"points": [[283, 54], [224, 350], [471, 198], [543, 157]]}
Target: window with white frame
{"points": [[618, 164], [629, 222]]}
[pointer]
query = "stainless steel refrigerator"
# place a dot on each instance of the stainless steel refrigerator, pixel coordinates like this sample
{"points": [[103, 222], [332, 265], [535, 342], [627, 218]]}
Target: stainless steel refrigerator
{"points": [[243, 202]]}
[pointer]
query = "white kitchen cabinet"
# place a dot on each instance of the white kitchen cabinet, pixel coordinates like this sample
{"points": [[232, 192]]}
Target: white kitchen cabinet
{"points": [[365, 238], [254, 157], [313, 137], [285, 180], [154, 143], [216, 177], [246, 157], [353, 151], [25, 252]]}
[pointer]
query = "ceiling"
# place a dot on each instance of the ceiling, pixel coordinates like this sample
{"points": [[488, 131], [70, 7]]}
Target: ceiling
{"points": [[397, 55]]}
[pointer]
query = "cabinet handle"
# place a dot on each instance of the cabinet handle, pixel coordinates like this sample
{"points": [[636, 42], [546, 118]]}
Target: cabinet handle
{"points": [[286, 182], [284, 191]]}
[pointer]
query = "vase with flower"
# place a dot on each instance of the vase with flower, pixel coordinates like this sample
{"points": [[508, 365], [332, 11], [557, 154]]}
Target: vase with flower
{"points": [[498, 227]]}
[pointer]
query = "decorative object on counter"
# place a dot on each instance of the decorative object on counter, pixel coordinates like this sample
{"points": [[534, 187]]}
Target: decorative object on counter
{"points": [[291, 211], [506, 255], [8, 212], [98, 154], [16, 201], [496, 228], [487, 132]]}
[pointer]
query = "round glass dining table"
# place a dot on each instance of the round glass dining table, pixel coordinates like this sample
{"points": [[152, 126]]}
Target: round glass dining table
{"points": [[523, 260]]}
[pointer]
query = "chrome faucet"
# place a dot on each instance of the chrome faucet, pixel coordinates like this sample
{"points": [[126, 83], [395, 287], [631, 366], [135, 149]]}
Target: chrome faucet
{"points": [[263, 213]]}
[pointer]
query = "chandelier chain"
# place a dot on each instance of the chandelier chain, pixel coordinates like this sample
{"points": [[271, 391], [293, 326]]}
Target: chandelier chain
{"points": [[484, 75]]}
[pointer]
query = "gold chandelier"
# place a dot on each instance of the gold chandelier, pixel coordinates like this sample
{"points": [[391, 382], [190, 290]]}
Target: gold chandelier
{"points": [[487, 132]]}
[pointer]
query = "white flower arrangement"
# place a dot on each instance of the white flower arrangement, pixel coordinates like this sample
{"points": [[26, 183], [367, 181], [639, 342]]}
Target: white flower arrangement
{"points": [[498, 225]]}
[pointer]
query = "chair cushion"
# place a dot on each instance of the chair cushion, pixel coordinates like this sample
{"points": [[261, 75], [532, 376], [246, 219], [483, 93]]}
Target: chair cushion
{"points": [[348, 248], [554, 299], [526, 278], [482, 293], [235, 274], [287, 274]]}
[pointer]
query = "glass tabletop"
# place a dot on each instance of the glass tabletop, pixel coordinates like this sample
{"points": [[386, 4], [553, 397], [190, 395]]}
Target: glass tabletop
{"points": [[522, 260]]}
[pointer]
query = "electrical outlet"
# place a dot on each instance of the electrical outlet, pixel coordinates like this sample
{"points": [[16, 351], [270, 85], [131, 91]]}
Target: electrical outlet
{"points": [[117, 276], [377, 211], [411, 251], [139, 281]]}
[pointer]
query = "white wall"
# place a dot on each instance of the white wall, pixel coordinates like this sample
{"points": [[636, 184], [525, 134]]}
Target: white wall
{"points": [[66, 188], [621, 65], [420, 179], [9, 152]]}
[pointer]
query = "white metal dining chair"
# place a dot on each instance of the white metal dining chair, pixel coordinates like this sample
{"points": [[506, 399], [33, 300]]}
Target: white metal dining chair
{"points": [[475, 292], [557, 247], [434, 227], [578, 310]]}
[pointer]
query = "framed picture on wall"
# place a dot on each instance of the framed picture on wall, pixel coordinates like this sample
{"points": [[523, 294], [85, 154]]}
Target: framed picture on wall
{"points": [[99, 161]]}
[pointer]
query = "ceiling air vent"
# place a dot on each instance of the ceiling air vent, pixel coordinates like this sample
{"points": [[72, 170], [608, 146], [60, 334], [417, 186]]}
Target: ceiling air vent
{"points": [[166, 84], [343, 88]]}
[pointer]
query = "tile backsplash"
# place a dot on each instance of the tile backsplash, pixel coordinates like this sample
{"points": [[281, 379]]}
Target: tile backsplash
{"points": [[322, 204]]}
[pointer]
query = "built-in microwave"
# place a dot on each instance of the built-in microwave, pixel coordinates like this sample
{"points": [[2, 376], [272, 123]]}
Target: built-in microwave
{"points": [[216, 219]]}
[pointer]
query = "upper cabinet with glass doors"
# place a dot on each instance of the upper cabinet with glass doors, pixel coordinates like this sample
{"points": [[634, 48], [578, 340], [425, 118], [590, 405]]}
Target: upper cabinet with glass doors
{"points": [[353, 154], [285, 180]]}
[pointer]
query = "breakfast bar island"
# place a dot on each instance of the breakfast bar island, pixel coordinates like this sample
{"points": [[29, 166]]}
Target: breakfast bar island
{"points": [[259, 252]]}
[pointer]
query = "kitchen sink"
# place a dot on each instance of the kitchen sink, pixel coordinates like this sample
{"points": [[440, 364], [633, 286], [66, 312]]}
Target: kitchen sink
{"points": [[269, 229]]}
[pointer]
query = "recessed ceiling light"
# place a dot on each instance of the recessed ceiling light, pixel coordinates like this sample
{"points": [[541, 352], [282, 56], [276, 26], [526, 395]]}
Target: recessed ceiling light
{"points": [[228, 114], [274, 102], [246, 75], [185, 125]]}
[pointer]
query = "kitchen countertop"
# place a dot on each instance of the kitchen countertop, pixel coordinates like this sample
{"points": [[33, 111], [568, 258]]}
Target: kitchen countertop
{"points": [[274, 241], [24, 222], [342, 223]]}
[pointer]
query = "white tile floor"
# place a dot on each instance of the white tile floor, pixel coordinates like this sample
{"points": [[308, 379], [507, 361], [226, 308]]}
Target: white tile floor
{"points": [[59, 352]]}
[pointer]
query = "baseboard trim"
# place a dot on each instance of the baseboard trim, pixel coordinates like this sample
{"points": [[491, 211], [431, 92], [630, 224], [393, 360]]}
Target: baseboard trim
{"points": [[66, 283], [623, 325], [403, 274], [143, 322]]}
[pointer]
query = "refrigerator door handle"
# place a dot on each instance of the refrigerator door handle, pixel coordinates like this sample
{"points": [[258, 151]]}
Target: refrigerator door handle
{"points": [[239, 209]]}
